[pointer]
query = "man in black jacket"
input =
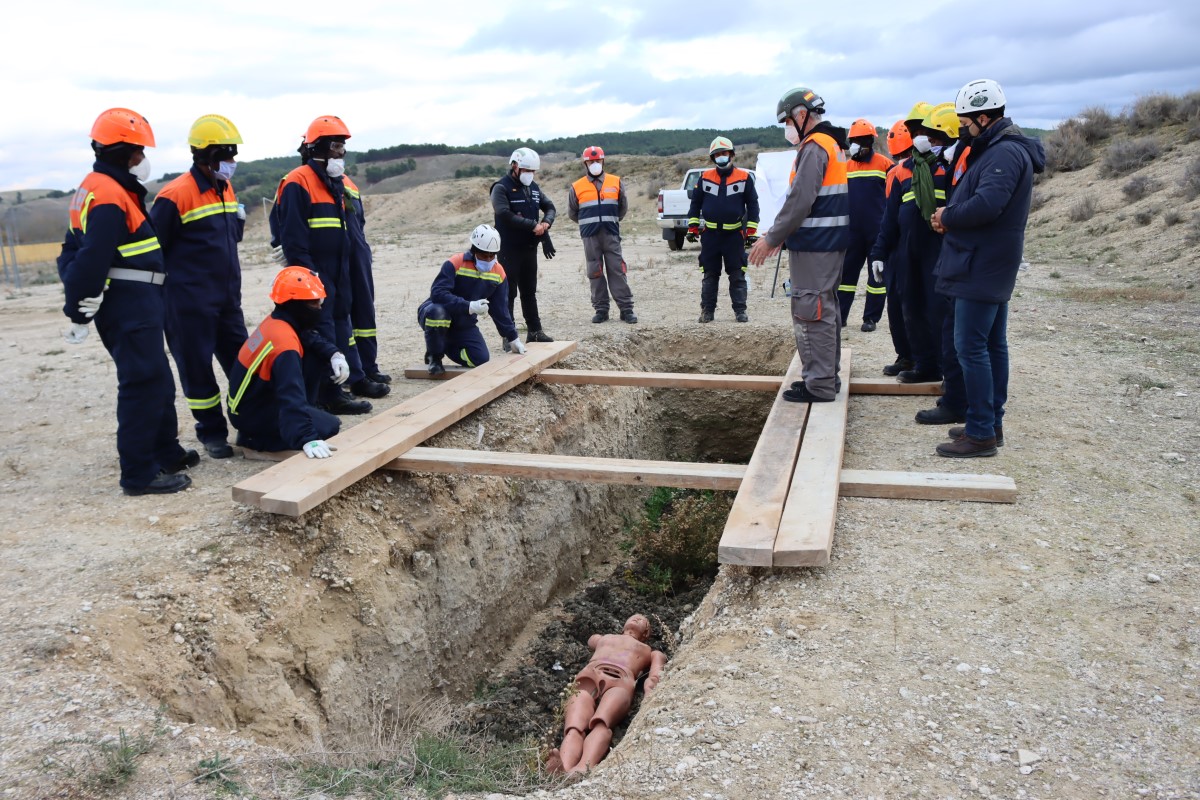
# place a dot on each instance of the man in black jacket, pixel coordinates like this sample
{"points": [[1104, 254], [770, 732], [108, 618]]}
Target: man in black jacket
{"points": [[984, 228], [517, 202]]}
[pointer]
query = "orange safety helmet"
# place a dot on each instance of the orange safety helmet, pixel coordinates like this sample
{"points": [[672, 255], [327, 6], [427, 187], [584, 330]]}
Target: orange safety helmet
{"points": [[327, 125], [296, 283], [593, 153], [122, 125], [898, 138], [860, 127]]}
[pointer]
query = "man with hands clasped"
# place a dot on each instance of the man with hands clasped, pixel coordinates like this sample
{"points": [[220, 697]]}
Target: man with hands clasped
{"points": [[467, 285]]}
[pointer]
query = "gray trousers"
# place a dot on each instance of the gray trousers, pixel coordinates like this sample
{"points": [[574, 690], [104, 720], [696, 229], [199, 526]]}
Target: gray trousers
{"points": [[606, 271], [817, 318]]}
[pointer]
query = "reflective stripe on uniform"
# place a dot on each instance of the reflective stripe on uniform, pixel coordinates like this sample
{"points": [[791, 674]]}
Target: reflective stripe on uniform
{"points": [[466, 357], [233, 401], [909, 196], [866, 173], [825, 222], [847, 287], [437, 323], [200, 212], [876, 289], [471, 272], [200, 404], [139, 247], [324, 222], [364, 333]]}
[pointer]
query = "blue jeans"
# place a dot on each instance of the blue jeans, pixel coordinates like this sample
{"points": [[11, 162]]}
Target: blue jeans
{"points": [[981, 339]]}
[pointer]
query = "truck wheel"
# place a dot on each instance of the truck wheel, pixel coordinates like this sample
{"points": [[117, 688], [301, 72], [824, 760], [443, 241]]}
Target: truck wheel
{"points": [[676, 241]]}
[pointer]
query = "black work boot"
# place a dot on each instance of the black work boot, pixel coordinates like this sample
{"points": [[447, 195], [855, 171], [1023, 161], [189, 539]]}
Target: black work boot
{"points": [[163, 483], [966, 447], [959, 432], [379, 377], [600, 316], [901, 364], [186, 460], [917, 376], [369, 388], [340, 402], [742, 316], [939, 415], [706, 316], [868, 326], [538, 336], [218, 448], [433, 364], [628, 316]]}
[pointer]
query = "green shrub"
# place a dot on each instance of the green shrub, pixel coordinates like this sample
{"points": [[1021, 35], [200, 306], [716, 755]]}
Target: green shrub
{"points": [[677, 537], [1127, 155], [1067, 149], [1138, 187]]}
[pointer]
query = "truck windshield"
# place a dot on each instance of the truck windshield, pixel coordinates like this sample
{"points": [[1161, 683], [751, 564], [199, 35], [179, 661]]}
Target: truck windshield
{"points": [[691, 180]]}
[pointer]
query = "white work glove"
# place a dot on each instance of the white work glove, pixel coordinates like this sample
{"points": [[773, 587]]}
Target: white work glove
{"points": [[317, 449], [478, 307], [877, 271], [88, 306], [516, 347], [341, 370], [76, 333], [278, 257]]}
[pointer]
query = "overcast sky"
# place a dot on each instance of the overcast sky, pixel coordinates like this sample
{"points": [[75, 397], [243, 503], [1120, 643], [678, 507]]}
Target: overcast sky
{"points": [[467, 72]]}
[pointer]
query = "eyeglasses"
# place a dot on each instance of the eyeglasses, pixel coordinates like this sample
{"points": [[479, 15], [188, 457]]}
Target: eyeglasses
{"points": [[337, 148]]}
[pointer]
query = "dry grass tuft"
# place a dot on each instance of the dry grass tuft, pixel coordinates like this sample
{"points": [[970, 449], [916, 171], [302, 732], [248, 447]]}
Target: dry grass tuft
{"points": [[1190, 181], [1127, 155], [1067, 149], [1082, 209], [1139, 186]]}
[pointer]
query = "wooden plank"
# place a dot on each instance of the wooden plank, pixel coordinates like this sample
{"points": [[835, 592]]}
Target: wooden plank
{"points": [[927, 486], [891, 386], [627, 471], [806, 525], [749, 535], [689, 380], [305, 483], [251, 490]]}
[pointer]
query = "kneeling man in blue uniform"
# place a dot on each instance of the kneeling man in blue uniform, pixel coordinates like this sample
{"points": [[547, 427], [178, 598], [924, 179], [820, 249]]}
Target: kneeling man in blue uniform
{"points": [[467, 285], [267, 401]]}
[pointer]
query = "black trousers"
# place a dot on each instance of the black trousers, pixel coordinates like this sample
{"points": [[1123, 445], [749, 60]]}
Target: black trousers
{"points": [[520, 265], [719, 247]]}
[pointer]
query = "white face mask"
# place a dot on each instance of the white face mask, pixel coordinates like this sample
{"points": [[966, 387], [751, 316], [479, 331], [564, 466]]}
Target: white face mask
{"points": [[922, 144], [595, 167], [721, 161], [141, 171], [526, 178], [335, 167], [791, 134], [484, 266], [949, 151], [855, 148], [225, 170]]}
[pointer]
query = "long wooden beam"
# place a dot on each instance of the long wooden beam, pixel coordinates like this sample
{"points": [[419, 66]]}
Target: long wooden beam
{"points": [[884, 484], [753, 521], [810, 513], [690, 380], [627, 471], [305, 483]]}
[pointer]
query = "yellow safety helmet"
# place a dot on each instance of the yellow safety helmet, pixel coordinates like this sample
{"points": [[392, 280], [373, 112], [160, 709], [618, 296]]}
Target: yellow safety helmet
{"points": [[919, 112], [213, 129], [944, 118]]}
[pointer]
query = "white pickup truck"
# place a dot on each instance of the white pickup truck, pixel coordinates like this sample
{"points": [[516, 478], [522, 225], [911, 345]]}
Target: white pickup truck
{"points": [[673, 206]]}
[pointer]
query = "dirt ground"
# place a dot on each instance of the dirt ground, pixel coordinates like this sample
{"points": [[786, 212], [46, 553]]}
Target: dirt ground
{"points": [[1046, 649]]}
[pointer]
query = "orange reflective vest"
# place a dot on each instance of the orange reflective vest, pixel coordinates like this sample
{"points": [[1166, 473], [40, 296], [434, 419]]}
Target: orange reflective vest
{"points": [[827, 226], [252, 372], [139, 247], [598, 209]]}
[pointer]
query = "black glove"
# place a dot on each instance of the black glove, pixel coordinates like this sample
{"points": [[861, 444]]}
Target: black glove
{"points": [[548, 247]]}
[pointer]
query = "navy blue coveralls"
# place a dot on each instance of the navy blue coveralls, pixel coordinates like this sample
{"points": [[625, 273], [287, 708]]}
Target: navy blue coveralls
{"points": [[450, 328], [896, 267], [199, 230], [865, 183], [728, 202], [267, 401], [309, 221], [362, 283], [109, 230], [517, 208]]}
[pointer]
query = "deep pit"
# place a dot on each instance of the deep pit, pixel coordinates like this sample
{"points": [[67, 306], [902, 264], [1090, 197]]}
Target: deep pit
{"points": [[411, 586]]}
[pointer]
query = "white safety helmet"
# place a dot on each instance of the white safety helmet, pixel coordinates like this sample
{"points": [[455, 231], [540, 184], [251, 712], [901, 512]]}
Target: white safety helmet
{"points": [[525, 158], [978, 97], [486, 239]]}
